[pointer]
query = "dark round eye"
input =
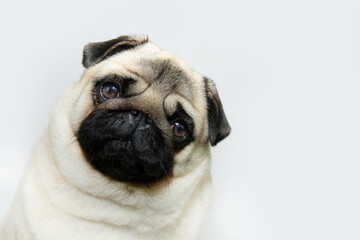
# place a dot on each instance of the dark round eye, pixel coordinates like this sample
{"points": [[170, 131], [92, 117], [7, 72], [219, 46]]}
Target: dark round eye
{"points": [[109, 91], [179, 130]]}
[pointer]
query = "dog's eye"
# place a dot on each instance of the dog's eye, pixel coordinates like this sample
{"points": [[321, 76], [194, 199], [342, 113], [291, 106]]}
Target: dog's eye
{"points": [[179, 130], [109, 91]]}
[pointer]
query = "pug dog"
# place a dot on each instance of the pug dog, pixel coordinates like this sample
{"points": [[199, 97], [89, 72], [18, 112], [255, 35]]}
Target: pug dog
{"points": [[126, 154]]}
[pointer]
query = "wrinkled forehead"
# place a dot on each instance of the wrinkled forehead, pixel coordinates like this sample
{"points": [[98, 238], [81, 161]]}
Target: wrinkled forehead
{"points": [[148, 65]]}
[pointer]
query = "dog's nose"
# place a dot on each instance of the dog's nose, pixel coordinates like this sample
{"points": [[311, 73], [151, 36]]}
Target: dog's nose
{"points": [[133, 120], [128, 122], [133, 117], [144, 124]]}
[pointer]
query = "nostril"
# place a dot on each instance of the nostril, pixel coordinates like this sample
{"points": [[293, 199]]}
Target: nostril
{"points": [[131, 119], [149, 120], [134, 112], [129, 146], [134, 117]]}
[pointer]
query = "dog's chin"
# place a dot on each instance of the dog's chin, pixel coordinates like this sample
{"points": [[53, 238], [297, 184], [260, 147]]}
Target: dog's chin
{"points": [[135, 154]]}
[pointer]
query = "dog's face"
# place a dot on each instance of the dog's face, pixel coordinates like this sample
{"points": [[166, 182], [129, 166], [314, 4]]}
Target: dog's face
{"points": [[144, 114]]}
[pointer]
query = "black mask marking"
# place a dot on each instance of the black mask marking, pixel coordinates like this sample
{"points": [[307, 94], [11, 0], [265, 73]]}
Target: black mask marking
{"points": [[126, 146], [182, 117], [123, 84]]}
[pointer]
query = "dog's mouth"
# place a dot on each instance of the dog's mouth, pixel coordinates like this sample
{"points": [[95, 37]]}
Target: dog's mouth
{"points": [[126, 146]]}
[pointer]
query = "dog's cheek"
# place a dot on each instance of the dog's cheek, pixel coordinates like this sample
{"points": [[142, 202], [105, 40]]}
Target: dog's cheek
{"points": [[83, 107]]}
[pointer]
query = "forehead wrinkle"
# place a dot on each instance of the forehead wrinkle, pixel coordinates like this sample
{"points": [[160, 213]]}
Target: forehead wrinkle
{"points": [[173, 78], [160, 74], [136, 74], [188, 100], [161, 68], [173, 91]]}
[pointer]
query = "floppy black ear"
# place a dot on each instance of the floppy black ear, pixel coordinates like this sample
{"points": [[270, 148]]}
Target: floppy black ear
{"points": [[219, 127], [96, 52]]}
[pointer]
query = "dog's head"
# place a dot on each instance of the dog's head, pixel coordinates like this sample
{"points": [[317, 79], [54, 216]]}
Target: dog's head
{"points": [[145, 115]]}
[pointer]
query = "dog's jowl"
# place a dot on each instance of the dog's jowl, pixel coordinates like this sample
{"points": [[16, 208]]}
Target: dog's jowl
{"points": [[126, 153]]}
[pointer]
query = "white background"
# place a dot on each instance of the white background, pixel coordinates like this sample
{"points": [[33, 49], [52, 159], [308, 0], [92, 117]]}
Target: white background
{"points": [[288, 73]]}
